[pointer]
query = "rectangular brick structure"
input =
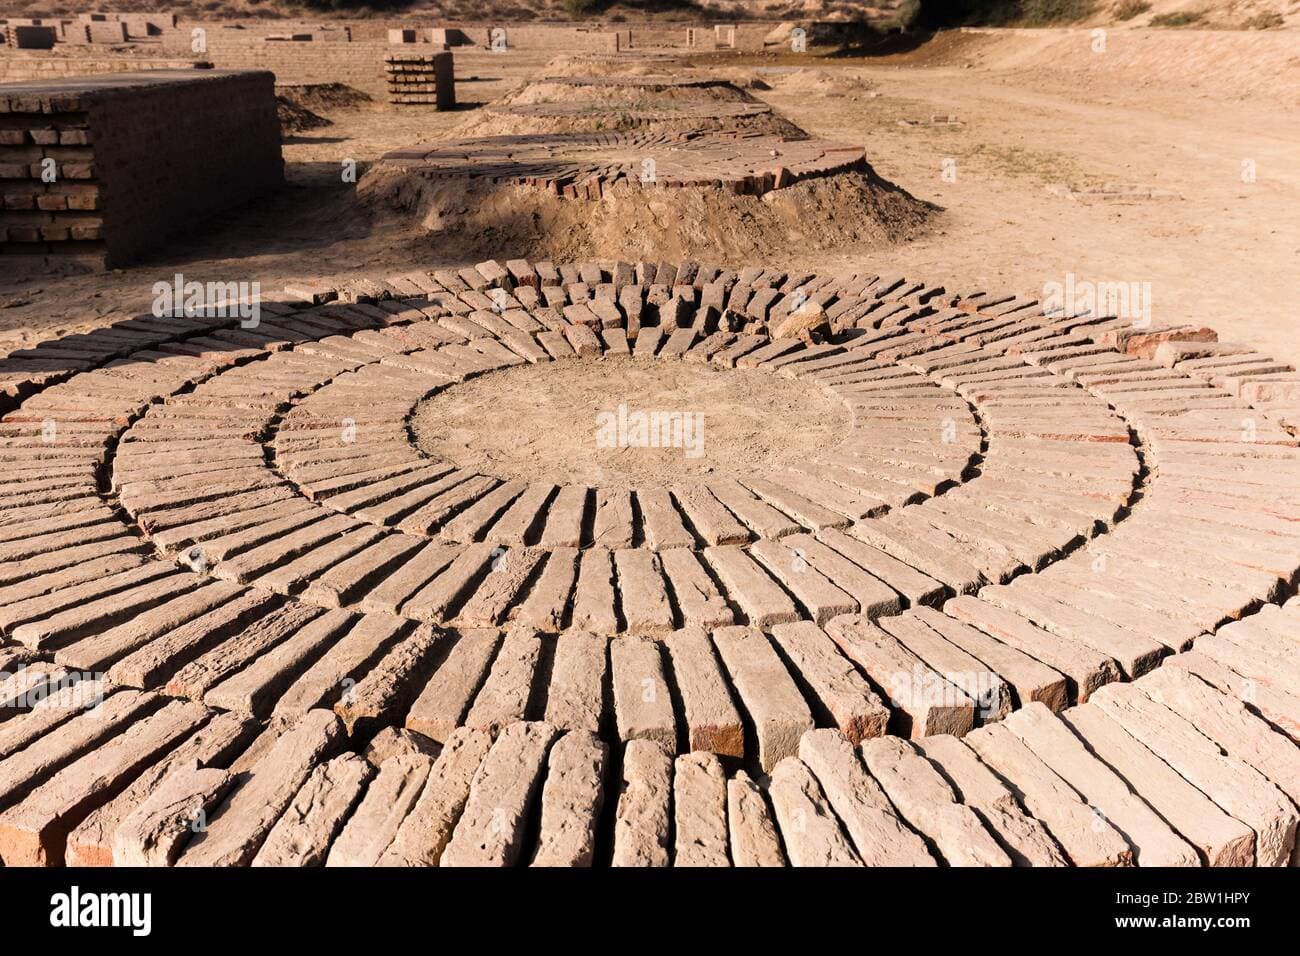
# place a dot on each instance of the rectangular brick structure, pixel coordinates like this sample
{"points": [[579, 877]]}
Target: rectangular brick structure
{"points": [[101, 168], [421, 79]]}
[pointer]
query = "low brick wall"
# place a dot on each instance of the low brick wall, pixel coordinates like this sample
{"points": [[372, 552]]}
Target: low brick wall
{"points": [[102, 168], [19, 69]]}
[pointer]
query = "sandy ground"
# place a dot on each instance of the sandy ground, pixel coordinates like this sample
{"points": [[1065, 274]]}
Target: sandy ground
{"points": [[1223, 253], [650, 423]]}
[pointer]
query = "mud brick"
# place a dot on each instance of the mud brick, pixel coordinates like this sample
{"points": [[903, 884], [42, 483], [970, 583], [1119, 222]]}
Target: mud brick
{"points": [[698, 599], [388, 689], [807, 512], [547, 601], [237, 652], [923, 700], [347, 581], [34, 832], [436, 600], [1153, 842], [811, 833], [643, 593], [35, 610], [1085, 835], [213, 745], [1222, 840], [491, 829], [372, 828], [593, 597], [158, 660], [769, 695], [302, 836], [76, 731], [446, 696], [564, 518], [763, 519], [878, 835], [1238, 788], [712, 721], [1276, 706], [763, 602], [1085, 668], [927, 802], [572, 798], [345, 661], [642, 824], [423, 835], [643, 704], [822, 599], [155, 832], [575, 698], [874, 598], [711, 521], [500, 588], [842, 693], [505, 696], [240, 824], [751, 831], [983, 686], [1023, 838], [700, 812]]}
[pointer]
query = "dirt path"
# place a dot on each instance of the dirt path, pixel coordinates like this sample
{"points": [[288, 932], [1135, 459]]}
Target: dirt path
{"points": [[1219, 255]]}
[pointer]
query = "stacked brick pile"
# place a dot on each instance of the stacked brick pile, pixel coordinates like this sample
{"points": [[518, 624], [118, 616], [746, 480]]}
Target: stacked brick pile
{"points": [[101, 168], [421, 79]]}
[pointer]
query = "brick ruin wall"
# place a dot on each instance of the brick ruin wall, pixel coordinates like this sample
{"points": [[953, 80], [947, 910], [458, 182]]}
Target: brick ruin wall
{"points": [[350, 52], [139, 157]]}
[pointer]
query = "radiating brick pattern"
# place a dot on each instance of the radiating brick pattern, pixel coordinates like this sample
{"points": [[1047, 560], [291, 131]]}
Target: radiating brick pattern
{"points": [[1036, 607]]}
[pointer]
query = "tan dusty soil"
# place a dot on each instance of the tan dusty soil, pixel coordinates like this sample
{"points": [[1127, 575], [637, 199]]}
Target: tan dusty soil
{"points": [[542, 423], [1172, 109]]}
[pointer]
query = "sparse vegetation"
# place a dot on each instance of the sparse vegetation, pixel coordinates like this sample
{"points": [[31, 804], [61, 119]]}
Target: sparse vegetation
{"points": [[582, 7], [1131, 8], [1180, 18], [1264, 21]]}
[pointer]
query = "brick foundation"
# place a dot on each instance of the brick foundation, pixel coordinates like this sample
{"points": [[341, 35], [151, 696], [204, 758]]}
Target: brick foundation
{"points": [[135, 156]]}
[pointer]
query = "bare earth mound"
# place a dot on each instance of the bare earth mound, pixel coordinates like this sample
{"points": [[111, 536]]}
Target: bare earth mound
{"points": [[640, 195]]}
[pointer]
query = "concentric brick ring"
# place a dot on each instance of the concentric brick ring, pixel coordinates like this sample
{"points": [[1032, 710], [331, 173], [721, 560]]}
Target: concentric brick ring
{"points": [[585, 165], [974, 614]]}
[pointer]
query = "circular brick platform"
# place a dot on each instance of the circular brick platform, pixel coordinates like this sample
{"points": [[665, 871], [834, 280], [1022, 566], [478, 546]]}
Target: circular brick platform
{"points": [[718, 117], [1035, 607], [585, 165]]}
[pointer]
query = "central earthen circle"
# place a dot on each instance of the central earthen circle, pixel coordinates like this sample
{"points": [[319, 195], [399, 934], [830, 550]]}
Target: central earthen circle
{"points": [[597, 423]]}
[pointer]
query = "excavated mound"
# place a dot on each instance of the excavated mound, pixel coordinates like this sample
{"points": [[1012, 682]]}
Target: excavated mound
{"points": [[1028, 599], [642, 62], [639, 194], [597, 89], [654, 116]]}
